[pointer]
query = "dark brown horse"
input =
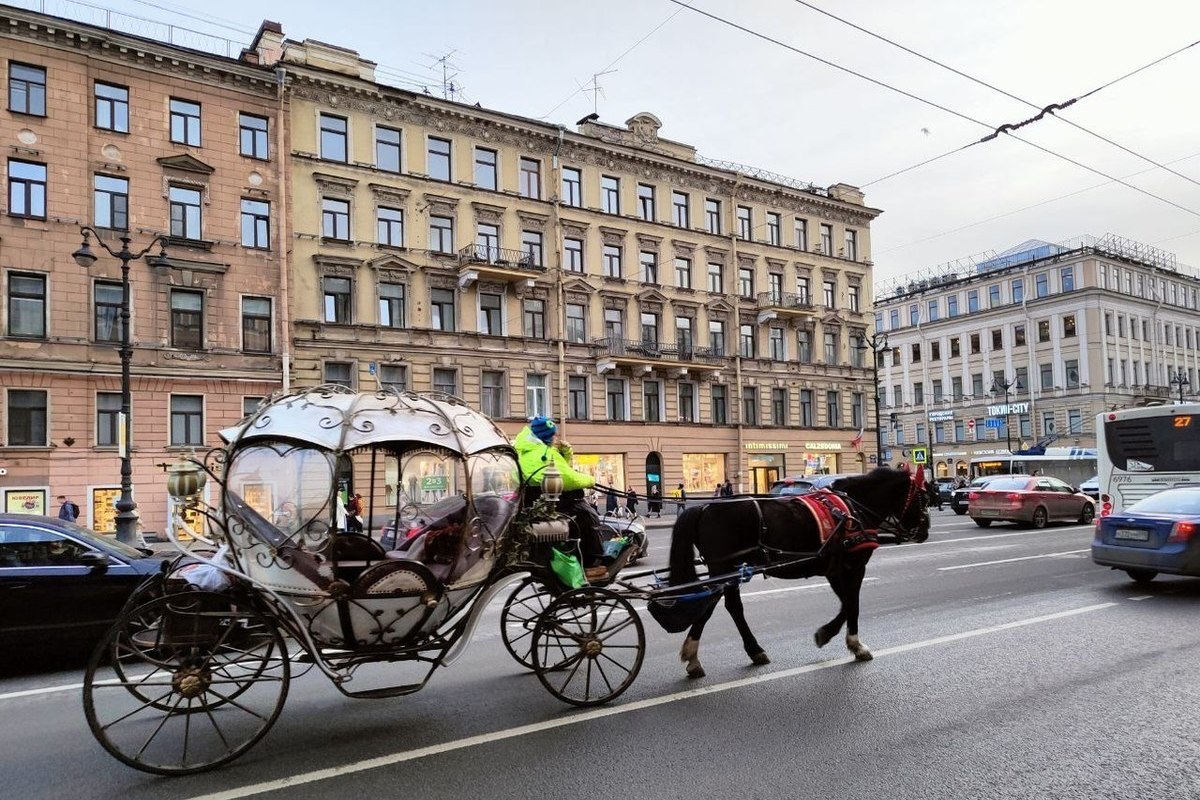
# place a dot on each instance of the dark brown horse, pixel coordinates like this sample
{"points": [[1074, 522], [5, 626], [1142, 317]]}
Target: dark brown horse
{"points": [[780, 531]]}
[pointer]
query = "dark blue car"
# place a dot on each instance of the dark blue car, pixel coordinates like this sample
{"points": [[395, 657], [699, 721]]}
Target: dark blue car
{"points": [[1158, 534]]}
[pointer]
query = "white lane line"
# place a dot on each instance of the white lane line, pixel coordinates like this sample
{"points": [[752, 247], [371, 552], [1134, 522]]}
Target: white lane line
{"points": [[1142, 597], [67, 687], [612, 711], [1011, 560], [981, 537]]}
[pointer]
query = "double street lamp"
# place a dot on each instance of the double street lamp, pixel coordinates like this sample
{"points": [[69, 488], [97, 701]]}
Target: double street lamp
{"points": [[1179, 380], [1005, 386], [878, 345], [84, 257]]}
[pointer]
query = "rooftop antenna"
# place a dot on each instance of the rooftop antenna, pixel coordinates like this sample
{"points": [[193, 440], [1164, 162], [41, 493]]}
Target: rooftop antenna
{"points": [[596, 90], [449, 73]]}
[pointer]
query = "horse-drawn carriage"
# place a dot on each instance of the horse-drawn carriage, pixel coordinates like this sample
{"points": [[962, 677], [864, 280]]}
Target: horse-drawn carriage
{"points": [[273, 580]]}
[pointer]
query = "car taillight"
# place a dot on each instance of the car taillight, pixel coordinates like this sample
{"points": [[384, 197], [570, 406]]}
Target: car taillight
{"points": [[1013, 496], [1182, 531], [1106, 506], [972, 495]]}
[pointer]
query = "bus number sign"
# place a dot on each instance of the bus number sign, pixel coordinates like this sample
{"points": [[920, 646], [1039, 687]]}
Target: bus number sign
{"points": [[1183, 422]]}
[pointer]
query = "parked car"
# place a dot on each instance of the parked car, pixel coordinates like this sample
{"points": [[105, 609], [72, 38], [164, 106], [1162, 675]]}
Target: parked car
{"points": [[1032, 500], [1091, 487], [1160, 533], [633, 528], [802, 484], [959, 497], [62, 585]]}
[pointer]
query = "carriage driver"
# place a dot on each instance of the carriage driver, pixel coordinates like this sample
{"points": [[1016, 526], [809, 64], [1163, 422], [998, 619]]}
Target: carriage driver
{"points": [[536, 449]]}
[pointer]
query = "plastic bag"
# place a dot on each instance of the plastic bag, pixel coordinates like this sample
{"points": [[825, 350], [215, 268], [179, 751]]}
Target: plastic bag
{"points": [[206, 576], [567, 568], [613, 547]]}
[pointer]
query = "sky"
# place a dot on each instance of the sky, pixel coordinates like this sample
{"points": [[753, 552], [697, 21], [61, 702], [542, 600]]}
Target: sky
{"points": [[738, 97]]}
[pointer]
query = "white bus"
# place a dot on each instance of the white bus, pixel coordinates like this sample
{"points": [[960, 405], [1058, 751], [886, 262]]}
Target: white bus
{"points": [[1145, 450], [1072, 465]]}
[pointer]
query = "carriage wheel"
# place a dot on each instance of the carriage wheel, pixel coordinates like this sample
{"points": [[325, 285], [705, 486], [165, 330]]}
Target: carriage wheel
{"points": [[520, 616], [198, 681], [588, 646]]}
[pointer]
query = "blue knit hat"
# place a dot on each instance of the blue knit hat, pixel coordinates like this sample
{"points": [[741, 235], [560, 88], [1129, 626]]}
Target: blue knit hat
{"points": [[543, 428]]}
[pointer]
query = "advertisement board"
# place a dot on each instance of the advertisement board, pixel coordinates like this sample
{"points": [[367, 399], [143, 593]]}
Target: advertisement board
{"points": [[25, 501]]}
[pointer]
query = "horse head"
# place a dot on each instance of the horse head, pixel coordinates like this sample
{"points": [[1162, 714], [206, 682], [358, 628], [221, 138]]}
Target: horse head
{"points": [[889, 495]]}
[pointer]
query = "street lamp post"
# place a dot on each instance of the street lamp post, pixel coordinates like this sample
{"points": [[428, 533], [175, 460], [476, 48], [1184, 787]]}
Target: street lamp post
{"points": [[84, 257], [1179, 380], [1004, 386], [878, 345]]}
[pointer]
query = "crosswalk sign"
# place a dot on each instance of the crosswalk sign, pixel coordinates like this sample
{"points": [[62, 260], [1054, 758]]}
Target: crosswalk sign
{"points": [[920, 455]]}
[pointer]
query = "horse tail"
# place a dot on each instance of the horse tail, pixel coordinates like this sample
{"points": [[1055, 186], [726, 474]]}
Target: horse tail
{"points": [[683, 546]]}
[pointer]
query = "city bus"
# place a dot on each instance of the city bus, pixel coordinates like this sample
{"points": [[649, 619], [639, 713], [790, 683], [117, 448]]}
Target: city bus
{"points": [[1145, 450], [1072, 465]]}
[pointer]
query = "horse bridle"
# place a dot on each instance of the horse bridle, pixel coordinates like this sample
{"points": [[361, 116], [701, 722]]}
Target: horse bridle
{"points": [[915, 494]]}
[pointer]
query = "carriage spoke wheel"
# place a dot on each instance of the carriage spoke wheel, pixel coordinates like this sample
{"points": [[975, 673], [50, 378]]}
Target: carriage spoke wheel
{"points": [[197, 681], [520, 616], [588, 646]]}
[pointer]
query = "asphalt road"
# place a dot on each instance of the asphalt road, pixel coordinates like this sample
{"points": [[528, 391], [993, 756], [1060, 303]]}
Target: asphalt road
{"points": [[1007, 665]]}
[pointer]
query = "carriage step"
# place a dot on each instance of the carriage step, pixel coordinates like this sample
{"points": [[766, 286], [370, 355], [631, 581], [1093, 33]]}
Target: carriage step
{"points": [[385, 691]]}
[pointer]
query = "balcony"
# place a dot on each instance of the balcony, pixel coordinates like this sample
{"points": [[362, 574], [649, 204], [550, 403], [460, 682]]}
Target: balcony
{"points": [[480, 262], [645, 356], [783, 305]]}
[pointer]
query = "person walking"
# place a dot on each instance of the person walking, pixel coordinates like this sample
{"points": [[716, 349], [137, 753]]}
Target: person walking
{"points": [[631, 502], [354, 514], [680, 498], [66, 509], [610, 503], [728, 488]]}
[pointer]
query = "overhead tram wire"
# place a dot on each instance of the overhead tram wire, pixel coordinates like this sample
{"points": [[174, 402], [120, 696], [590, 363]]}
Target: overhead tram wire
{"points": [[1012, 96], [995, 131]]}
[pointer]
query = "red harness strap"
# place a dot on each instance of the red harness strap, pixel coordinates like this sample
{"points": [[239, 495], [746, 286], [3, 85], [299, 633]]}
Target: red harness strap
{"points": [[832, 515]]}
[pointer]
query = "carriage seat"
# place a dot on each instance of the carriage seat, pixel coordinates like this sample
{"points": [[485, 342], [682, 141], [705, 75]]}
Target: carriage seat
{"points": [[448, 545]]}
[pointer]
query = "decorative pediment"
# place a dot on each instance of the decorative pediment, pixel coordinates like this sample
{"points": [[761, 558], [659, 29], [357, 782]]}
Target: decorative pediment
{"points": [[442, 281], [185, 162], [651, 296], [392, 264], [833, 318], [334, 184], [718, 305], [614, 300], [648, 242], [488, 213], [575, 229], [578, 286], [535, 222], [715, 254], [440, 206], [388, 194], [804, 269], [683, 249], [612, 236], [685, 310], [336, 266], [776, 264], [746, 261]]}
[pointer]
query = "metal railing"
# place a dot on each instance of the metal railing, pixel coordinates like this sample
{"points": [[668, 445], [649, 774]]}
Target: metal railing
{"points": [[637, 348], [800, 302], [499, 256]]}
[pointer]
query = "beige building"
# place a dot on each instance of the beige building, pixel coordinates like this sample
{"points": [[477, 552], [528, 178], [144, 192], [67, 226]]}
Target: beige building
{"points": [[685, 321], [133, 137], [1072, 329]]}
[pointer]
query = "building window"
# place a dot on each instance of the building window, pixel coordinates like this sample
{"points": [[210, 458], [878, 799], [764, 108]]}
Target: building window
{"points": [[252, 133], [337, 300], [391, 305], [27, 418], [955, 347], [394, 377], [952, 305], [441, 234], [531, 178], [26, 189], [537, 396], [716, 278], [749, 405], [746, 341], [187, 420], [775, 344], [972, 301], [187, 319], [111, 202], [256, 324], [645, 195], [851, 245], [687, 402], [339, 373], [683, 336], [387, 149], [335, 219], [612, 261], [804, 291], [531, 245], [256, 224], [112, 108], [744, 222], [185, 213], [827, 239], [716, 336], [652, 401], [649, 262], [829, 289], [27, 305], [649, 328], [389, 226], [1071, 370], [614, 324], [185, 122], [806, 408], [573, 255], [831, 347], [1069, 327], [491, 315], [914, 314], [800, 229], [720, 408], [108, 410], [937, 391], [616, 400], [679, 209], [994, 298], [533, 318], [445, 381], [577, 397], [997, 338], [746, 282], [712, 215], [916, 353], [934, 313], [833, 410], [1067, 278], [1043, 330], [610, 194], [491, 393], [485, 168], [441, 309], [774, 229], [1074, 421], [1018, 335], [852, 295], [1041, 284], [683, 272], [804, 346], [437, 159], [106, 302], [775, 287], [572, 187], [576, 323], [26, 89], [779, 407], [935, 350], [1018, 290]]}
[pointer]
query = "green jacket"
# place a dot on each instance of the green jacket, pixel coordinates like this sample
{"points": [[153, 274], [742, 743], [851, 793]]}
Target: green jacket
{"points": [[534, 454]]}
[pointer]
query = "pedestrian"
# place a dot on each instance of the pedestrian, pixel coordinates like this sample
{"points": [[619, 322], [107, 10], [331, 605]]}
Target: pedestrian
{"points": [[728, 488], [631, 502], [680, 498], [610, 503], [354, 514], [718, 492], [654, 500], [67, 510]]}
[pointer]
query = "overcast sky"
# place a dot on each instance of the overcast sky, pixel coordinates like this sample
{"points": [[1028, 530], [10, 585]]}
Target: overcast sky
{"points": [[737, 97]]}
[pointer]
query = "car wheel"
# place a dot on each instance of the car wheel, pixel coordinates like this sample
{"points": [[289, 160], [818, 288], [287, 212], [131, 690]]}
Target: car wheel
{"points": [[1089, 514], [1040, 517], [983, 523], [960, 511], [1142, 576]]}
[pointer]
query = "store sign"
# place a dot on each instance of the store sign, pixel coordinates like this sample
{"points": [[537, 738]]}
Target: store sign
{"points": [[1009, 408], [25, 501], [766, 446], [941, 416], [104, 508], [822, 445]]}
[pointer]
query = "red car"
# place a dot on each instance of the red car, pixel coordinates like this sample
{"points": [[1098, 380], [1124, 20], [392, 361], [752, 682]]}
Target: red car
{"points": [[1031, 500]]}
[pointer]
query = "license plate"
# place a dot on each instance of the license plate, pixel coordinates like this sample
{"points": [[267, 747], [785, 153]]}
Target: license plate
{"points": [[1132, 534], [988, 512]]}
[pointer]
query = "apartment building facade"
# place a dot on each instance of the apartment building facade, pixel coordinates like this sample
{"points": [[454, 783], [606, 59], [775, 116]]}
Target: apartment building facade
{"points": [[134, 138], [1029, 346], [684, 322]]}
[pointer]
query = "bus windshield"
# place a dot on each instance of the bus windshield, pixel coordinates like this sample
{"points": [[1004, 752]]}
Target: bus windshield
{"points": [[1154, 444]]}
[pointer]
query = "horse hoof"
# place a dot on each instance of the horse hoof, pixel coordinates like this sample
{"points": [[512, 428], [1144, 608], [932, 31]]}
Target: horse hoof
{"points": [[863, 655], [695, 672], [760, 658], [821, 637]]}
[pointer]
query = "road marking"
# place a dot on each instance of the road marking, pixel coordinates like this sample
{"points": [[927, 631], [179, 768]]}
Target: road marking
{"points": [[612, 711], [1142, 597], [1011, 560], [983, 537]]}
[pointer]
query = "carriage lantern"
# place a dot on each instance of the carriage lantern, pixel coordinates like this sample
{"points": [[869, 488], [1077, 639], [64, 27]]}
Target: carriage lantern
{"points": [[185, 478], [552, 483]]}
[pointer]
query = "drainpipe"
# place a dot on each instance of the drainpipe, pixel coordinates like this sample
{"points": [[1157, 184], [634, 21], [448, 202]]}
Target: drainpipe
{"points": [[285, 241], [736, 339], [556, 176], [1030, 361]]}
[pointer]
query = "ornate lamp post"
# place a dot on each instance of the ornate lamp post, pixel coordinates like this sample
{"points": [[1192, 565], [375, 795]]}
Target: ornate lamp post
{"points": [[1179, 380], [878, 345], [84, 257], [1005, 386]]}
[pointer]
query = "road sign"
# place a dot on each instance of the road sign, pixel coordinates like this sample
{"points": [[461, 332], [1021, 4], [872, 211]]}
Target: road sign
{"points": [[970, 424], [920, 455]]}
